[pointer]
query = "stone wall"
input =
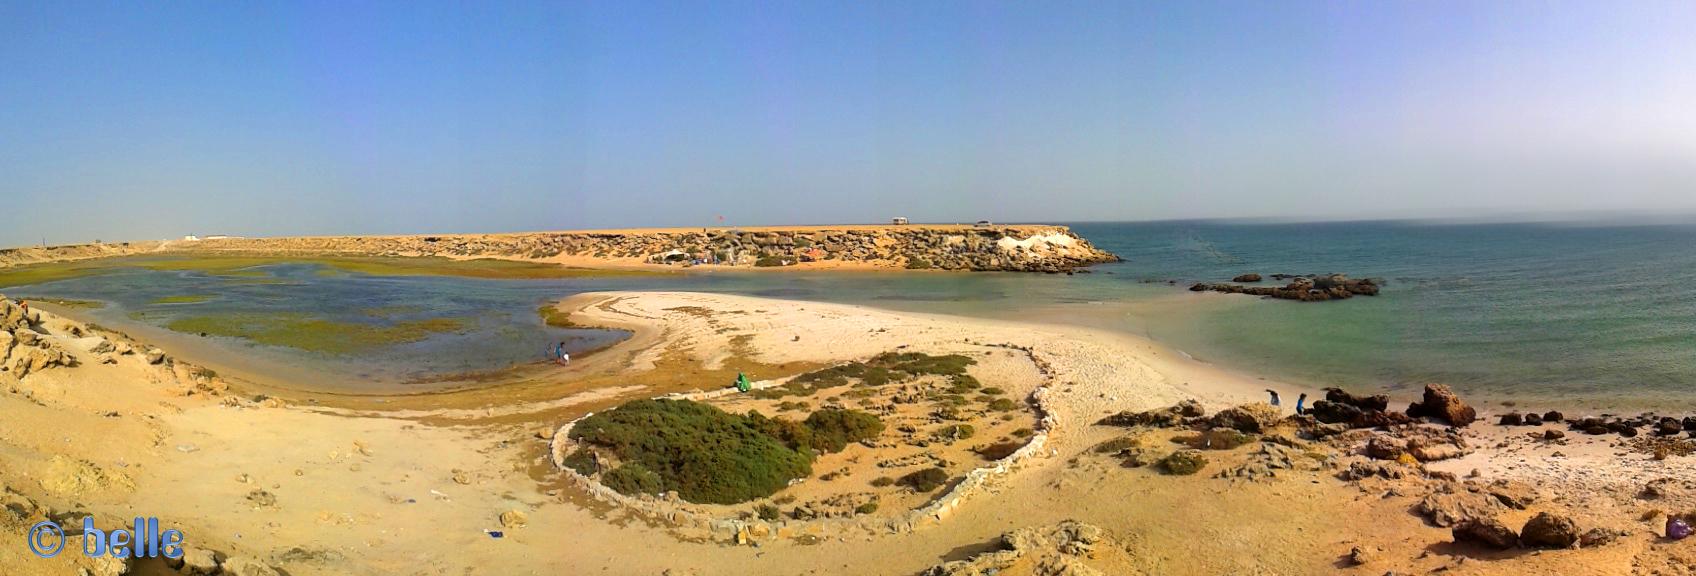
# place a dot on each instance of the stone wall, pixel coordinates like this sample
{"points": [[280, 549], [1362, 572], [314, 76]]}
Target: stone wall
{"points": [[1034, 248], [679, 513]]}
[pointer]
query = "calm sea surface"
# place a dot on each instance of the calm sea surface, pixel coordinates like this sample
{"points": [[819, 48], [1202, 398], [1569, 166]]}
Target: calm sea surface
{"points": [[1595, 313]]}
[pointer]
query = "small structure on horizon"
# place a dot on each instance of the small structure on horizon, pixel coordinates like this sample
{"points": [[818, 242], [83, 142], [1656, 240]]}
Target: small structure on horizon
{"points": [[898, 220], [983, 224]]}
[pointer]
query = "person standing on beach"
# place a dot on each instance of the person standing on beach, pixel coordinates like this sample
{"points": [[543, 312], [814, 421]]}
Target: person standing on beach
{"points": [[1274, 394], [1300, 400]]}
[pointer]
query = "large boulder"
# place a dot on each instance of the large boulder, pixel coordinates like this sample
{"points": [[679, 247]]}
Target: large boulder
{"points": [[1441, 403], [1445, 509], [1487, 531], [1549, 531], [1251, 418], [1377, 402], [1250, 277]]}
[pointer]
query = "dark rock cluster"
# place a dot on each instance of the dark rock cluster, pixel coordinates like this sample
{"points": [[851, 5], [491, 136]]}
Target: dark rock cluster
{"points": [[1302, 288]]}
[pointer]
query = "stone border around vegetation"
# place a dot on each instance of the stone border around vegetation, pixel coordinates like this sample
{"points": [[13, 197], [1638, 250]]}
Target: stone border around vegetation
{"points": [[679, 513]]}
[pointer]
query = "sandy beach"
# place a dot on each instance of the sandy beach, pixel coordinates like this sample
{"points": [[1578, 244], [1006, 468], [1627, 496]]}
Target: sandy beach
{"points": [[268, 476]]}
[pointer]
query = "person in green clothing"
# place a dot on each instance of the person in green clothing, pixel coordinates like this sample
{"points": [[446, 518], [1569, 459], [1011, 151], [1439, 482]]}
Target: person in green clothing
{"points": [[742, 382]]}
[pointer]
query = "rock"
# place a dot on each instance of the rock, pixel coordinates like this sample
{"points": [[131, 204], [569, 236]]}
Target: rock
{"points": [[1159, 417], [1669, 427], [1250, 277], [243, 566], [1441, 403], [1382, 447], [1452, 509], [1690, 423], [1360, 556], [1435, 452], [1512, 494], [155, 356], [1533, 419], [102, 347], [199, 562], [1250, 418], [1549, 531], [1487, 531], [1553, 416], [1552, 434], [1511, 419], [514, 519], [1599, 537], [1184, 462]]}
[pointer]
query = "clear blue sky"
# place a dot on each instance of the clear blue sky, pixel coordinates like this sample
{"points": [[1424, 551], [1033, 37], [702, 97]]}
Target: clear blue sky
{"points": [[135, 120]]}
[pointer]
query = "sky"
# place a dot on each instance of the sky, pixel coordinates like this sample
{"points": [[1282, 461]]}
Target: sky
{"points": [[145, 120]]}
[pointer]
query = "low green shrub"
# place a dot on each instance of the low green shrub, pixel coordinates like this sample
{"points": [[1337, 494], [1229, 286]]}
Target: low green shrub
{"points": [[582, 461], [833, 429], [632, 479], [925, 480], [705, 454]]}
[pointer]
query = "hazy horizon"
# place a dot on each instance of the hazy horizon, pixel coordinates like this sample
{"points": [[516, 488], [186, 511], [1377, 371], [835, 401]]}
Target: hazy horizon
{"points": [[132, 122]]}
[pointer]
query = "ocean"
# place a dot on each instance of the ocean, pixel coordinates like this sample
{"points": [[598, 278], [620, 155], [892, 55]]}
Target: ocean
{"points": [[1585, 313]]}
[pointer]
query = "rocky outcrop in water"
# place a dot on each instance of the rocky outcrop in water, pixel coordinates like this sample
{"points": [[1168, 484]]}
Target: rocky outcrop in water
{"points": [[1034, 248], [1302, 288]]}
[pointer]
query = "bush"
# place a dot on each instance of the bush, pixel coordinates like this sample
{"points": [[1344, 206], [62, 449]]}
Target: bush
{"points": [[833, 428], [916, 262], [632, 479], [953, 432], [866, 508], [994, 391], [1184, 462], [1002, 405], [882, 481], [839, 375], [767, 512], [963, 383], [1023, 433], [582, 461], [925, 480], [919, 364], [770, 261], [705, 454]]}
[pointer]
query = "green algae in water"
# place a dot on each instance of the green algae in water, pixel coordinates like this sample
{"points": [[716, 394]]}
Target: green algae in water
{"points": [[70, 303], [297, 330], [184, 299], [552, 316], [389, 266]]}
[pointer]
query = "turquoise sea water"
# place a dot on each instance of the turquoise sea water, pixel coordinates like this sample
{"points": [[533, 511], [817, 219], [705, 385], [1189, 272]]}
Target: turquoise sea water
{"points": [[1604, 313]]}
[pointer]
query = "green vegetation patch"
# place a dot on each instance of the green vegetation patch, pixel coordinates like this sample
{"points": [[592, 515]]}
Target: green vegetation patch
{"points": [[70, 303], [297, 330], [925, 480], [881, 370], [714, 457], [51, 272], [184, 299], [553, 316]]}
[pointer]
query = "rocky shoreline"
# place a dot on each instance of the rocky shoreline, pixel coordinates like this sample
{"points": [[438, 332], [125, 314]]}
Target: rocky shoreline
{"points": [[1018, 248]]}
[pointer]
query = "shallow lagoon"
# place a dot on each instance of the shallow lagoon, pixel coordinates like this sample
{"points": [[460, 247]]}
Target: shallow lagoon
{"points": [[1595, 313]]}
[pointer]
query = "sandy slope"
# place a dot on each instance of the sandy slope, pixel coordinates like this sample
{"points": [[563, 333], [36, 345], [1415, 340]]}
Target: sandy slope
{"points": [[322, 485]]}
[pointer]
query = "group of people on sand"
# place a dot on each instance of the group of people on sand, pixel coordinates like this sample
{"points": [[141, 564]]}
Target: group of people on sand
{"points": [[561, 357], [1300, 402]]}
